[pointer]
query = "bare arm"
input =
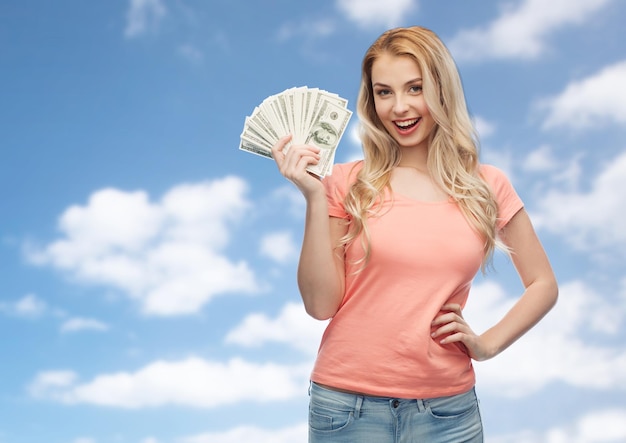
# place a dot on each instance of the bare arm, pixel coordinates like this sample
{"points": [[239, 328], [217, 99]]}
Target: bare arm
{"points": [[321, 276], [540, 295]]}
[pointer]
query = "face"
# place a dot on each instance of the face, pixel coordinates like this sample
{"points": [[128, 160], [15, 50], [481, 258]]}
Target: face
{"points": [[324, 136], [399, 102]]}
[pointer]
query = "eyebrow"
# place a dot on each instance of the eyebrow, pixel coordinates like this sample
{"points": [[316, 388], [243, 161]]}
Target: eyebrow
{"points": [[415, 80]]}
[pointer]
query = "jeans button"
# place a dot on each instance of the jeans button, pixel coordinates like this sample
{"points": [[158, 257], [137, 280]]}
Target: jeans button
{"points": [[396, 403]]}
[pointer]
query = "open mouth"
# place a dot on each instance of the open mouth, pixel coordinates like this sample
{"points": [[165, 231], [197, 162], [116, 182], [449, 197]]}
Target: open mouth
{"points": [[407, 124]]}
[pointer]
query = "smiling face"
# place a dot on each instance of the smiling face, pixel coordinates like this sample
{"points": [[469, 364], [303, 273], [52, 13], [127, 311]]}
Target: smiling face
{"points": [[399, 102]]}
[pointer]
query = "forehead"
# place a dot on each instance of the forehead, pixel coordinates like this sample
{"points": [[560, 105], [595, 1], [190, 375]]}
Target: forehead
{"points": [[390, 68]]}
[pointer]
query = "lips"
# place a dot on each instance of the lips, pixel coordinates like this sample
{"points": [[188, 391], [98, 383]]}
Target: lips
{"points": [[405, 125]]}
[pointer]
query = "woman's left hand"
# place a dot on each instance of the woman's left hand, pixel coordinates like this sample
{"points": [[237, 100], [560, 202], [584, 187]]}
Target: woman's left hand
{"points": [[452, 326]]}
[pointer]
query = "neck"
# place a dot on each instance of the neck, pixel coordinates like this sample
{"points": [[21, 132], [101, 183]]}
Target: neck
{"points": [[414, 158]]}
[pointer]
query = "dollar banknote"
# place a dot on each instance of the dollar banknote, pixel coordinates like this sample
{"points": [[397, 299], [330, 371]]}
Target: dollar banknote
{"points": [[311, 115]]}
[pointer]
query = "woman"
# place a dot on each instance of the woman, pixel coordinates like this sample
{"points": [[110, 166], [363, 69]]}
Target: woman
{"points": [[391, 245]]}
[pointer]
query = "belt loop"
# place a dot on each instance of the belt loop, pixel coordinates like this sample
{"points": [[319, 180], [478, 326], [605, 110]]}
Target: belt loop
{"points": [[421, 407], [357, 406]]}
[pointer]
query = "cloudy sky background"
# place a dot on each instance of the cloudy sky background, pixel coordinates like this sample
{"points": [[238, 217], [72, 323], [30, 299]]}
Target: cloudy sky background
{"points": [[147, 290]]}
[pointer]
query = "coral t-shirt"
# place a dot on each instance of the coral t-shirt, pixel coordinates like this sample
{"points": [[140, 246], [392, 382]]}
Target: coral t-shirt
{"points": [[423, 256]]}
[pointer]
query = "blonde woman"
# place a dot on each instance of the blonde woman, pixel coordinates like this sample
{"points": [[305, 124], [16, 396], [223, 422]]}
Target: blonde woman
{"points": [[391, 246]]}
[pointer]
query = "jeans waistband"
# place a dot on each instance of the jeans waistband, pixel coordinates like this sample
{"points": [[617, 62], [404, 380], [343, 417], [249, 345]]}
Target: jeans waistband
{"points": [[358, 401]]}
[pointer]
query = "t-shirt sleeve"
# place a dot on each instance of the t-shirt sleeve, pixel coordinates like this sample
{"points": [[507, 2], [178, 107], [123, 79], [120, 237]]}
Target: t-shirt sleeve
{"points": [[336, 186], [509, 202]]}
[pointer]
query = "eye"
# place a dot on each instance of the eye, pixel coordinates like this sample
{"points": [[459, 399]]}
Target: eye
{"points": [[382, 92], [415, 89]]}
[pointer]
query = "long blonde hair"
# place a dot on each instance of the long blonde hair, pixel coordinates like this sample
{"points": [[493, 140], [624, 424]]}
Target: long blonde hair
{"points": [[453, 146]]}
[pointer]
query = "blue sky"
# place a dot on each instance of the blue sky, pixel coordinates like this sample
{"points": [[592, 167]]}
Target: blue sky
{"points": [[147, 290]]}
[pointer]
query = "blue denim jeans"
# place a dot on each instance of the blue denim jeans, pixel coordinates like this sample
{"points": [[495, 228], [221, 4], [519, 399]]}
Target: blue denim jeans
{"points": [[338, 417]]}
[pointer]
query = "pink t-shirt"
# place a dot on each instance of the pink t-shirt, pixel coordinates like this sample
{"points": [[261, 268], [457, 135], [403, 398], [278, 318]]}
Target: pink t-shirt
{"points": [[423, 255]]}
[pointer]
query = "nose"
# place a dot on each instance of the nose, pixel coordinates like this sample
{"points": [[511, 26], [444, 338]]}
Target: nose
{"points": [[400, 105]]}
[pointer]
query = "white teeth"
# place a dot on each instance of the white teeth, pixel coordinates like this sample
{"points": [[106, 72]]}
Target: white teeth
{"points": [[407, 123]]}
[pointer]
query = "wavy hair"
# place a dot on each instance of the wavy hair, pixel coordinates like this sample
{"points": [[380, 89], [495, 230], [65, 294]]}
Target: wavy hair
{"points": [[453, 145]]}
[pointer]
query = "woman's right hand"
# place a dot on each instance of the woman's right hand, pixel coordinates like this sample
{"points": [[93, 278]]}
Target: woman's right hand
{"points": [[293, 163]]}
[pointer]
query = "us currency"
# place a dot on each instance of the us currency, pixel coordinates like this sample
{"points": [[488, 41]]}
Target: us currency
{"points": [[325, 133], [311, 115]]}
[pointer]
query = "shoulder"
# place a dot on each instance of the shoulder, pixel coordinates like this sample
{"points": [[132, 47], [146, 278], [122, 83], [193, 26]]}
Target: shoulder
{"points": [[338, 184], [509, 202], [495, 177], [492, 173], [348, 169], [344, 174]]}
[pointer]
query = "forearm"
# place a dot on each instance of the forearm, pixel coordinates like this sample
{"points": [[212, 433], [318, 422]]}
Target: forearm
{"points": [[538, 298], [319, 281]]}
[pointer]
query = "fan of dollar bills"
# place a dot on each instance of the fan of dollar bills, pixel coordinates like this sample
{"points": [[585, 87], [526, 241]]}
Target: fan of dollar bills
{"points": [[312, 116]]}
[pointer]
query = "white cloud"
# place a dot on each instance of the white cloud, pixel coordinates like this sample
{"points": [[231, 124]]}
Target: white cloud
{"points": [[484, 127], [307, 28], [561, 170], [297, 433], [368, 13], [354, 133], [191, 53], [541, 159], [77, 324], [588, 219], [291, 197], [191, 382], [562, 347], [279, 246], [29, 306], [51, 381], [593, 101], [606, 426], [84, 440], [293, 327], [166, 254], [355, 150], [142, 15], [520, 31]]}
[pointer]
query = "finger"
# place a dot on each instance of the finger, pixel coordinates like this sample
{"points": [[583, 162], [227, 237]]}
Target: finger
{"points": [[448, 328], [300, 157], [454, 307], [446, 318], [458, 337], [278, 148]]}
